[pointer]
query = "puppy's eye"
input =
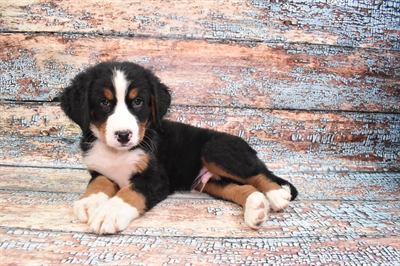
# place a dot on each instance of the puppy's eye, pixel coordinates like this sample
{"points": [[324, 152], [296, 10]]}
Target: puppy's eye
{"points": [[105, 104], [137, 102]]}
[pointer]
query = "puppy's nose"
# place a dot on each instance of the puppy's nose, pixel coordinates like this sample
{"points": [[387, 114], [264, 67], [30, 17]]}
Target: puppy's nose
{"points": [[123, 137]]}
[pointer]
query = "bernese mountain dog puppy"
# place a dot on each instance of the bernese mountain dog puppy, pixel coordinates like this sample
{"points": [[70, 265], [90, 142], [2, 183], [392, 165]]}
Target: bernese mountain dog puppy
{"points": [[136, 158]]}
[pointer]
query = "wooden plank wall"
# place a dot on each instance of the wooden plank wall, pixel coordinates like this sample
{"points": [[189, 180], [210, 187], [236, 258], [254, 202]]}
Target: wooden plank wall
{"points": [[313, 86]]}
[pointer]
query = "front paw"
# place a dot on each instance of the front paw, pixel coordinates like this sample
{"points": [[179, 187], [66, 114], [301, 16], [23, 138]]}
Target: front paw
{"points": [[112, 217], [279, 199], [84, 207]]}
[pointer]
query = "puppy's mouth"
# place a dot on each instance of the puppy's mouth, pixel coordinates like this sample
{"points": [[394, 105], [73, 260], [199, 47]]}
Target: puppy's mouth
{"points": [[122, 147]]}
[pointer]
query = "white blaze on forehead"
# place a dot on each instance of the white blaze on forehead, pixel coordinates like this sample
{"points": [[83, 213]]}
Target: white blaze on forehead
{"points": [[120, 84], [121, 119]]}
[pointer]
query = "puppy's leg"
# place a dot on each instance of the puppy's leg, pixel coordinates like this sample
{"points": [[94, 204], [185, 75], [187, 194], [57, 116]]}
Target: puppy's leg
{"points": [[143, 193], [117, 213], [98, 191], [277, 190], [254, 203], [231, 157]]}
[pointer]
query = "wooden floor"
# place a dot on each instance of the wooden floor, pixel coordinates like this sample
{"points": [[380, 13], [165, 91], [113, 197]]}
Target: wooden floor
{"points": [[333, 222]]}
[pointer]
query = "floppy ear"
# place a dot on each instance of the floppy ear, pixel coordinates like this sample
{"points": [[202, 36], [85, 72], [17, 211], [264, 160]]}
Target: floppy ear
{"points": [[74, 101], [160, 98]]}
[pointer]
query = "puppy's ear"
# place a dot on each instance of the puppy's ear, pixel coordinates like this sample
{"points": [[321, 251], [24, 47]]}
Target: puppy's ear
{"points": [[160, 98], [74, 101]]}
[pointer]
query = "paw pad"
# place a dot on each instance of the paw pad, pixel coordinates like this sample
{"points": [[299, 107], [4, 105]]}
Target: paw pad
{"points": [[256, 210]]}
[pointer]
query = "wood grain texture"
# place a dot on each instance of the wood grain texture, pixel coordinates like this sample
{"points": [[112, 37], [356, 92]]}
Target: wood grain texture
{"points": [[352, 186], [40, 135], [313, 86], [344, 23], [210, 217], [25, 246], [204, 230], [274, 76]]}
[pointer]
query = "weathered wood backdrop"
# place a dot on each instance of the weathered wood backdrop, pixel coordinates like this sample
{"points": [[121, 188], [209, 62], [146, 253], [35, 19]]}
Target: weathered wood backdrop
{"points": [[314, 86]]}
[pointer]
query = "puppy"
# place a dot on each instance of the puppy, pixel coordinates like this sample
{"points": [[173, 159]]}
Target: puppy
{"points": [[136, 158]]}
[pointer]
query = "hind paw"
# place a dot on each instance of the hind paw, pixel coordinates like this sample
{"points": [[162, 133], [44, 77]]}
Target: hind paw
{"points": [[279, 199], [256, 210]]}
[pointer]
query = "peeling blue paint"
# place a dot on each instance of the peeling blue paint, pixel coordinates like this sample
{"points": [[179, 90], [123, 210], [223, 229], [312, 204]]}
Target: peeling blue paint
{"points": [[311, 90], [346, 23], [355, 23], [44, 82]]}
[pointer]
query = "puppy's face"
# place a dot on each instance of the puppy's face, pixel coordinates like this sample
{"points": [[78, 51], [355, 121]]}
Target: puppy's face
{"points": [[120, 107], [116, 102]]}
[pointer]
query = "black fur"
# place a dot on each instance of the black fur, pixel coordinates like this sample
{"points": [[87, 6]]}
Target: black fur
{"points": [[74, 101], [182, 146], [176, 150]]}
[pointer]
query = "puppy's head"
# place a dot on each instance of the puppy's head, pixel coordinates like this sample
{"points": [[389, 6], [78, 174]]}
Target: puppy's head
{"points": [[116, 102]]}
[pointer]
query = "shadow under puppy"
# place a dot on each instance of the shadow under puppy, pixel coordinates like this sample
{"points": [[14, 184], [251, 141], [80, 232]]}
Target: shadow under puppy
{"points": [[136, 158]]}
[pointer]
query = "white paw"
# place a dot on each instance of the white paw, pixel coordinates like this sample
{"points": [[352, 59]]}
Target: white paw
{"points": [[279, 198], [84, 208], [256, 210], [112, 217]]}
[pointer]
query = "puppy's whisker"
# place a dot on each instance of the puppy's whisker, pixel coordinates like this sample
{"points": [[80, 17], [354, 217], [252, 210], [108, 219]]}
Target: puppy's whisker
{"points": [[145, 145], [152, 144]]}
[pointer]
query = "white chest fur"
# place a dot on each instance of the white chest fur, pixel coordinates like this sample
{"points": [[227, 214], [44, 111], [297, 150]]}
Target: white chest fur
{"points": [[118, 166]]}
